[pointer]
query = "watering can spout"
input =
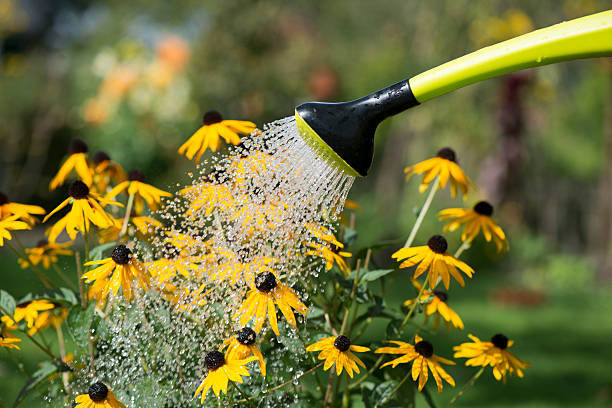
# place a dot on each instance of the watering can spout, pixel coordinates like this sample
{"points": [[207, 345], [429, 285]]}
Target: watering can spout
{"points": [[344, 132]]}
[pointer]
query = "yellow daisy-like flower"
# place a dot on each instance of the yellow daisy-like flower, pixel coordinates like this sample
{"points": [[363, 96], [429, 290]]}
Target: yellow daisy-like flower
{"points": [[86, 208], [423, 360], [119, 270], [339, 351], [475, 220], [48, 318], [135, 186], [330, 250], [105, 171], [434, 258], [220, 371], [7, 339], [45, 253], [29, 312], [437, 306], [77, 161], [266, 291], [208, 135], [242, 345], [24, 212], [98, 396], [492, 353], [10, 224], [166, 268], [443, 165]]}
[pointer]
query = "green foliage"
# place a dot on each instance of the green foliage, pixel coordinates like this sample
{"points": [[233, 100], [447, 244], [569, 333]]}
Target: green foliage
{"points": [[7, 302], [47, 370], [62, 296]]}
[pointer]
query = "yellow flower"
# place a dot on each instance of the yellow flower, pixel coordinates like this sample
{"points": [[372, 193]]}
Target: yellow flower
{"points": [[119, 270], [48, 318], [339, 350], [433, 257], [46, 253], [166, 268], [492, 353], [438, 306], [22, 211], [77, 161], [30, 311], [85, 209], [242, 345], [330, 250], [104, 171], [7, 339], [98, 396], [10, 224], [208, 135], [220, 371], [267, 290], [445, 166], [475, 220], [423, 360], [135, 186], [208, 195]]}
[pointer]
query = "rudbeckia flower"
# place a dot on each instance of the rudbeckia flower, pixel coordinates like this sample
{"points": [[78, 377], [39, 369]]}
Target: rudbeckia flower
{"points": [[104, 171], [266, 290], [119, 270], [86, 208], [220, 371], [208, 135], [46, 253], [434, 258], [437, 306], [166, 268], [10, 224], [98, 396], [332, 254], [48, 318], [135, 186], [443, 165], [29, 312], [206, 196], [475, 220], [7, 339], [242, 345], [77, 161], [492, 353], [22, 211], [423, 360], [338, 350]]}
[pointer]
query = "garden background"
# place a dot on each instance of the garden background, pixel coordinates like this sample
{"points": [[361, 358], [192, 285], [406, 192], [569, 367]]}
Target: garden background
{"points": [[133, 78]]}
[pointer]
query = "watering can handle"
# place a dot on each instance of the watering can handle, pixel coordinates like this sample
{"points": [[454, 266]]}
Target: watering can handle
{"points": [[584, 37]]}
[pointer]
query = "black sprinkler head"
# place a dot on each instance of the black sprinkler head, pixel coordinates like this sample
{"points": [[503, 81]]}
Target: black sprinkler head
{"points": [[348, 127]]}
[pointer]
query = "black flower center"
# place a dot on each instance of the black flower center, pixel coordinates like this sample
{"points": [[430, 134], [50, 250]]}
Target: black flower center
{"points": [[424, 348], [334, 248], [136, 175], [214, 360], [447, 153], [500, 341], [484, 208], [211, 117], [121, 254], [342, 343], [77, 146], [98, 392], [42, 243], [100, 157], [246, 336], [3, 199], [78, 190], [438, 244], [443, 296], [170, 251], [265, 281]]}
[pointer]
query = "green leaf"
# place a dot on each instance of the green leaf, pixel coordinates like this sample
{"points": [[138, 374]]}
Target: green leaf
{"points": [[7, 302], [62, 295], [46, 370], [97, 252], [370, 276], [80, 322], [393, 328], [350, 236]]}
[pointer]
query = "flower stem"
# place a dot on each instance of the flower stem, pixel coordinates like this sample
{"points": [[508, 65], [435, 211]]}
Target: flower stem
{"points": [[45, 281], [396, 389], [348, 309], [126, 218], [467, 385], [464, 245], [63, 276], [328, 392], [244, 396], [77, 258], [423, 211], [414, 305]]}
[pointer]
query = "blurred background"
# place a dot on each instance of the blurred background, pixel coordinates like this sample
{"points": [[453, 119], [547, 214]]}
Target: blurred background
{"points": [[134, 78]]}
